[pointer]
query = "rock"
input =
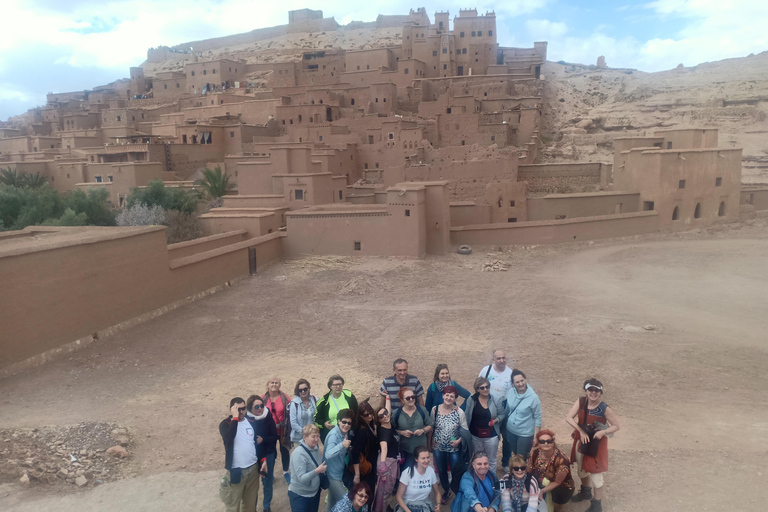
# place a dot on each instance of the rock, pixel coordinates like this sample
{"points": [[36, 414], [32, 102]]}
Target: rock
{"points": [[63, 472], [81, 481], [584, 124], [24, 479], [649, 327], [601, 61], [117, 451]]}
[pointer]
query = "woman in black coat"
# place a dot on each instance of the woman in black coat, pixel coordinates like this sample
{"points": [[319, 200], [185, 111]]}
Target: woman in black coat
{"points": [[267, 436], [365, 443]]}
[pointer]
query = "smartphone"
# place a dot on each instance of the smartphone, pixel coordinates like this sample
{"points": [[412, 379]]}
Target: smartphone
{"points": [[501, 485]]}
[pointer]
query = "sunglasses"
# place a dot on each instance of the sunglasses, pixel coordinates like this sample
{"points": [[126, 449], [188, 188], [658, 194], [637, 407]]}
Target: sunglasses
{"points": [[255, 406], [546, 441], [519, 468], [343, 422], [593, 390], [361, 495], [241, 409], [409, 398], [383, 413], [483, 387], [303, 390]]}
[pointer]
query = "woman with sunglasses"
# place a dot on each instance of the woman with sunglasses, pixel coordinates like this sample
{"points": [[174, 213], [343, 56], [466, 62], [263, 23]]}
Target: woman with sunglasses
{"points": [[484, 414], [441, 380], [356, 500], [337, 445], [552, 469], [363, 458], [593, 422], [302, 409], [331, 403], [521, 490], [417, 482], [388, 469], [412, 422], [277, 403], [447, 418], [267, 436]]}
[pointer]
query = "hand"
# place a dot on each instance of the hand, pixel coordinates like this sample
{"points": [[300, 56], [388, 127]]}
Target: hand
{"points": [[321, 468], [599, 434], [263, 469], [437, 507], [491, 423], [456, 443], [407, 433], [345, 443], [383, 393], [541, 495], [259, 439], [356, 479], [419, 432], [584, 437], [329, 425], [234, 411]]}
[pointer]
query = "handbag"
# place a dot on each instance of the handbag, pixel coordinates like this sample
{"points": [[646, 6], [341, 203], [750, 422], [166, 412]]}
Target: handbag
{"points": [[324, 482], [589, 449], [484, 432]]}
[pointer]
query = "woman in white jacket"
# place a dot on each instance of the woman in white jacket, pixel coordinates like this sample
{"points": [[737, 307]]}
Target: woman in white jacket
{"points": [[302, 409]]}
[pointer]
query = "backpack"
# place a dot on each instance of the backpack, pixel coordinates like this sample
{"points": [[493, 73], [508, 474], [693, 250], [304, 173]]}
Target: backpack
{"points": [[457, 471], [422, 413]]}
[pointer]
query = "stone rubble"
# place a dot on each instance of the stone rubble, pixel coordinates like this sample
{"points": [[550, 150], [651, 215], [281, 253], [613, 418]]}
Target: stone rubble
{"points": [[495, 266]]}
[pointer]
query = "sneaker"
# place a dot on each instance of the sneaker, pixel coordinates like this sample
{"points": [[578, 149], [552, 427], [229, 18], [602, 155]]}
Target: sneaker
{"points": [[446, 497], [595, 506], [585, 493], [287, 477]]}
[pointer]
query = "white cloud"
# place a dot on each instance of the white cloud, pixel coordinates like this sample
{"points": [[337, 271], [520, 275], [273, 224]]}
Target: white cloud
{"points": [[545, 30]]}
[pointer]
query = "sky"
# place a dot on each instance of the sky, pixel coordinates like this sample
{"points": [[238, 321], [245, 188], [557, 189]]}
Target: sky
{"points": [[55, 46]]}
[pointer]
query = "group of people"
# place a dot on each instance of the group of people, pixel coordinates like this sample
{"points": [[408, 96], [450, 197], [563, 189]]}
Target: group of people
{"points": [[419, 446]]}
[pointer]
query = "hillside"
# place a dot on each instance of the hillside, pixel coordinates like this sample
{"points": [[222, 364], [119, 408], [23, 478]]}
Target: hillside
{"points": [[587, 107]]}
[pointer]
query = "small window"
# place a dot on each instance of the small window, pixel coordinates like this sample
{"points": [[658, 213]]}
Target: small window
{"points": [[560, 217], [370, 139], [377, 100], [205, 71], [669, 145], [165, 86], [391, 136], [463, 142], [512, 204], [119, 119], [320, 138], [214, 71], [376, 165], [648, 206], [445, 66], [473, 33], [512, 219], [405, 71], [681, 184], [479, 33], [407, 213], [110, 179], [434, 53], [448, 110], [365, 165], [341, 194], [384, 100], [461, 34], [463, 51], [493, 138], [98, 179], [193, 73], [445, 50], [177, 85], [490, 32], [231, 134], [718, 182], [298, 195], [283, 121], [352, 101], [357, 246]]}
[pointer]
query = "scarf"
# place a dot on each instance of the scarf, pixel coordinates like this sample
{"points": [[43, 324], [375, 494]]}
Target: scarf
{"points": [[263, 414], [440, 385], [516, 493]]}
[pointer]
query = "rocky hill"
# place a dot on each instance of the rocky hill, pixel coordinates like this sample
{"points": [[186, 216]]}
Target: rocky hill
{"points": [[588, 106]]}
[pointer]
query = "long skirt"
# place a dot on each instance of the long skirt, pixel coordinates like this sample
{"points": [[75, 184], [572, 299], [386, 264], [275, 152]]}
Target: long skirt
{"points": [[388, 474]]}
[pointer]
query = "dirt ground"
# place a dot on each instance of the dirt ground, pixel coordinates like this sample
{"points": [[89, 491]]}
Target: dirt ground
{"points": [[690, 389]]}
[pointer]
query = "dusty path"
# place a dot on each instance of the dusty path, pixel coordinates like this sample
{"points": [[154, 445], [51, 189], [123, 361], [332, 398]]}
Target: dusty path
{"points": [[690, 392]]}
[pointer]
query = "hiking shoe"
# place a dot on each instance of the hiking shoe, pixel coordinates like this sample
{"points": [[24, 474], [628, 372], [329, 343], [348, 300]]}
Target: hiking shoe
{"points": [[446, 497], [585, 493], [595, 506], [287, 477]]}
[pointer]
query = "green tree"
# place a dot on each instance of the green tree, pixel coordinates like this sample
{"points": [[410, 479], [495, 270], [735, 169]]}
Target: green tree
{"points": [[12, 178], [68, 218], [22, 207], [168, 198], [215, 183], [94, 204]]}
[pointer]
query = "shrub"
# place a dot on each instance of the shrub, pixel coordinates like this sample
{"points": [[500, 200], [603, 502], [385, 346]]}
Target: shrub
{"points": [[22, 207], [69, 218], [214, 183], [94, 204], [182, 227], [141, 215], [168, 198]]}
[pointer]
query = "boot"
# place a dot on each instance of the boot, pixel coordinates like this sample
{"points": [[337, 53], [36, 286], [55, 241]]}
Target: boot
{"points": [[595, 506], [585, 493]]}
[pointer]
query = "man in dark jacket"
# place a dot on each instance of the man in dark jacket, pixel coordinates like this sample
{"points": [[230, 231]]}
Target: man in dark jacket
{"points": [[244, 459]]}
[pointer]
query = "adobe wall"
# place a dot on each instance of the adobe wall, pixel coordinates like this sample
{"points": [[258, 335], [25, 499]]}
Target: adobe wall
{"points": [[128, 274], [552, 232], [328, 232], [757, 197], [187, 158], [568, 206], [562, 177], [200, 245], [253, 224], [465, 213]]}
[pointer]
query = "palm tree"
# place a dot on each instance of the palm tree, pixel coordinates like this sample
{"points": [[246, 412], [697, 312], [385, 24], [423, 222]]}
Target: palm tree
{"points": [[215, 183], [36, 180], [12, 178]]}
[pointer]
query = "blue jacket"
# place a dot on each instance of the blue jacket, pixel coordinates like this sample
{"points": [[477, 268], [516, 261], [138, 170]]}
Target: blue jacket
{"points": [[335, 453], [434, 397], [466, 498], [523, 412]]}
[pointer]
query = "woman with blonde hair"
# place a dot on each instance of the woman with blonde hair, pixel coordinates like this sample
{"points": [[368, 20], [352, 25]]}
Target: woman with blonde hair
{"points": [[277, 403], [521, 489], [484, 414]]}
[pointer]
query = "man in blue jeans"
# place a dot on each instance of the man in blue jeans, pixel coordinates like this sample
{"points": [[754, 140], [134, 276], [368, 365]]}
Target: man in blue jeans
{"points": [[500, 377]]}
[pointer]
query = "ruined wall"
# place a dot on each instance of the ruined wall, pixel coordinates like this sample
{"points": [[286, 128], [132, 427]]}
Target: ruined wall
{"points": [[564, 178], [568, 206]]}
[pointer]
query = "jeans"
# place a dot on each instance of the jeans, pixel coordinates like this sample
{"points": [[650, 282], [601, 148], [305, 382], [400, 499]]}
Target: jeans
{"points": [[407, 460], [442, 461], [268, 481], [520, 445], [489, 445], [336, 492], [302, 504]]}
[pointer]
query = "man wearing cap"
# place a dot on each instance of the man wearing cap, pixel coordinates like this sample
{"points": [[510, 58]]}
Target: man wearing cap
{"points": [[244, 459]]}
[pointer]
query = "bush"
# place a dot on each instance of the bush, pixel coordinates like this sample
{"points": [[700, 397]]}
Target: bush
{"points": [[182, 227], [94, 204], [22, 207], [142, 215], [69, 218], [168, 198]]}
